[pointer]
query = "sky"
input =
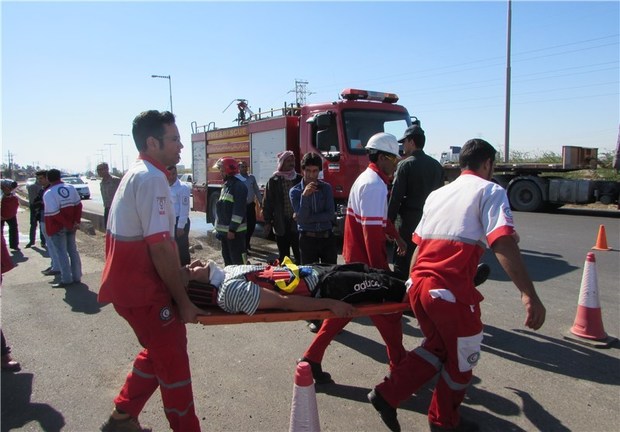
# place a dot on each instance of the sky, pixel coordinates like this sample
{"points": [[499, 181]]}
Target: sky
{"points": [[75, 74]]}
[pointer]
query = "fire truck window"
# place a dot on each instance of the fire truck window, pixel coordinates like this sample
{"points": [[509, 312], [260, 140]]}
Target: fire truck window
{"points": [[364, 135]]}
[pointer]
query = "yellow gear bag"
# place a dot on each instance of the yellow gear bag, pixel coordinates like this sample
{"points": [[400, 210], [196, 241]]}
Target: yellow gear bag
{"points": [[281, 284]]}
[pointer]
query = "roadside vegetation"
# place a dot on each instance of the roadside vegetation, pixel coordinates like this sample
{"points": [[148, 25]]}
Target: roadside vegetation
{"points": [[604, 169]]}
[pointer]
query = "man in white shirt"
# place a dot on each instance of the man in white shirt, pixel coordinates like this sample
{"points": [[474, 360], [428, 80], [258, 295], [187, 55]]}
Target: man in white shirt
{"points": [[180, 194]]}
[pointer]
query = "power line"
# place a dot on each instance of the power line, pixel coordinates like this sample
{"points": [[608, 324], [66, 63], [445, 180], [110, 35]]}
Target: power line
{"points": [[460, 67]]}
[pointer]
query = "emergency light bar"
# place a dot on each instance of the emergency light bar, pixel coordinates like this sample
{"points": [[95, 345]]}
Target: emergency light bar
{"points": [[356, 94]]}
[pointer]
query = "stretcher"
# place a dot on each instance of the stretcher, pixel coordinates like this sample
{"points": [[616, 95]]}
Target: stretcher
{"points": [[219, 317]]}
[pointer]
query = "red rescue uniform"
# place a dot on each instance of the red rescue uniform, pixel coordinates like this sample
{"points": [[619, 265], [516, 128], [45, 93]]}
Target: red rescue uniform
{"points": [[141, 214]]}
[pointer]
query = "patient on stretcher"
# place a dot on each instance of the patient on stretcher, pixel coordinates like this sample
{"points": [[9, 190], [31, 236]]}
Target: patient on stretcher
{"points": [[247, 288]]}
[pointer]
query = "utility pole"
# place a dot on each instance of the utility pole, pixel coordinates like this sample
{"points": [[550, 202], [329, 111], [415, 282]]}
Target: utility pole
{"points": [[110, 146], [9, 157], [300, 92], [99, 155], [169, 78], [122, 154], [507, 118]]}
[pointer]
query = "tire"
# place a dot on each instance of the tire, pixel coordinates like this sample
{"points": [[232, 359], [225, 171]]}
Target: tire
{"points": [[211, 203], [525, 196]]}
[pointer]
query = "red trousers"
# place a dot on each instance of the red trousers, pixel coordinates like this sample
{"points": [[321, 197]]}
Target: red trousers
{"points": [[162, 363], [390, 327], [451, 348]]}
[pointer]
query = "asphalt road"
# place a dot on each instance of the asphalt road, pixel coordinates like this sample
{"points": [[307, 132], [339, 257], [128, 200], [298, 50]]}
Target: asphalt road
{"points": [[75, 353]]}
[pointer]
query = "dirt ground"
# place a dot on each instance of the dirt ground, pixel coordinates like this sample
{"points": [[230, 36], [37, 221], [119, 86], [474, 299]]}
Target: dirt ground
{"points": [[201, 247]]}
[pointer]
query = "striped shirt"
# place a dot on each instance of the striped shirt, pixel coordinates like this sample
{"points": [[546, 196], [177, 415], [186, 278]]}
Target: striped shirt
{"points": [[239, 294]]}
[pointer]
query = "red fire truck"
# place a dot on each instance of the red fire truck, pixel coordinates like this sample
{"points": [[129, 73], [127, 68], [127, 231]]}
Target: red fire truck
{"points": [[337, 130]]}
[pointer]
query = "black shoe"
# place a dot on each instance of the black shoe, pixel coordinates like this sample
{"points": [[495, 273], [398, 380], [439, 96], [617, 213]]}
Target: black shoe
{"points": [[386, 411], [315, 325], [51, 272], [129, 424], [319, 376], [464, 426], [46, 270], [482, 274], [29, 245]]}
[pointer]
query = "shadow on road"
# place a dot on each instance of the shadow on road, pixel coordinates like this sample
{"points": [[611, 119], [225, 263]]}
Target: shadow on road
{"points": [[614, 214], [18, 410], [81, 299], [540, 266], [17, 256], [553, 355], [521, 346], [475, 396]]}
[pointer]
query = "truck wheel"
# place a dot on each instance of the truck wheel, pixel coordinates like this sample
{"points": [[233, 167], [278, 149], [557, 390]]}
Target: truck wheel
{"points": [[211, 203], [525, 196]]}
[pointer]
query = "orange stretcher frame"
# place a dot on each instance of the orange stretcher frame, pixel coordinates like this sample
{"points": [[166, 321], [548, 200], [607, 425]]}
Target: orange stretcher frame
{"points": [[220, 317]]}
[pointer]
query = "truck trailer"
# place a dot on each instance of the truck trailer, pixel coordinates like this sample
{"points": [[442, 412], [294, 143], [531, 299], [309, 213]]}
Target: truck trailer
{"points": [[337, 130], [536, 186]]}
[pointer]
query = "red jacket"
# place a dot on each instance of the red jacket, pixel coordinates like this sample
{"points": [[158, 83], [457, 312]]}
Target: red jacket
{"points": [[9, 206]]}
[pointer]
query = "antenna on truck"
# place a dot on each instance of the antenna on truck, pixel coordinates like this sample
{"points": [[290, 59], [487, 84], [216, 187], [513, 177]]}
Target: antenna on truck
{"points": [[242, 106]]}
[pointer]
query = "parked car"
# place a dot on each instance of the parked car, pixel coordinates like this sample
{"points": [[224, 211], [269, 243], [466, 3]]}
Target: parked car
{"points": [[187, 178], [79, 185], [31, 180]]}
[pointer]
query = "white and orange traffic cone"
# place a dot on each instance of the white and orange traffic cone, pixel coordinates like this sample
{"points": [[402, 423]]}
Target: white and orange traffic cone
{"points": [[304, 410], [588, 326], [601, 240]]}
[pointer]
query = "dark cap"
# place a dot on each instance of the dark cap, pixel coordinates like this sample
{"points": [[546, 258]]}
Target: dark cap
{"points": [[8, 184], [414, 129]]}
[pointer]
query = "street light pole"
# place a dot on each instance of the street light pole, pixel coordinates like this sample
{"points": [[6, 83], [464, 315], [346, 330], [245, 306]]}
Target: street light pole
{"points": [[110, 146], [169, 86], [122, 153], [508, 79]]}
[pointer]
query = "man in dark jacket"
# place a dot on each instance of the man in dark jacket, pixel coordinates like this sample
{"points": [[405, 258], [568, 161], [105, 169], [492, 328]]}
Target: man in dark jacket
{"points": [[230, 213], [277, 207], [416, 177]]}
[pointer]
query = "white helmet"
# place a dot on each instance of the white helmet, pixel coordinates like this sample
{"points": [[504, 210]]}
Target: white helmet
{"points": [[384, 142]]}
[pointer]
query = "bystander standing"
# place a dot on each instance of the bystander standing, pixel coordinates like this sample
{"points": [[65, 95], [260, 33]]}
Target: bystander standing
{"points": [[33, 191], [179, 194], [230, 212], [10, 202], [416, 176], [277, 208], [109, 185], [254, 196], [315, 214], [63, 213]]}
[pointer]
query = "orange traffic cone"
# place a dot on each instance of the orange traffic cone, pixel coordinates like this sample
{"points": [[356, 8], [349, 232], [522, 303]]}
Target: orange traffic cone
{"points": [[601, 240], [304, 410], [588, 325]]}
